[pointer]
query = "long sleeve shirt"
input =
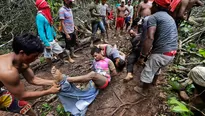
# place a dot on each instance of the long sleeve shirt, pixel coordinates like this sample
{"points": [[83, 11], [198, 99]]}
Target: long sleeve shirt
{"points": [[45, 30]]}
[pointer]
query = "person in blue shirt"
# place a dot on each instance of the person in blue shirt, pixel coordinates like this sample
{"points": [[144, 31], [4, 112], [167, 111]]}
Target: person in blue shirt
{"points": [[46, 31]]}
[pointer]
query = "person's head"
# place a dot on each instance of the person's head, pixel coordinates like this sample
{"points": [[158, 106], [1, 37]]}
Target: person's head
{"points": [[145, 1], [160, 5], [96, 53], [129, 2], [96, 1], [104, 1], [68, 3], [120, 64], [28, 47], [132, 33], [122, 3], [41, 4]]}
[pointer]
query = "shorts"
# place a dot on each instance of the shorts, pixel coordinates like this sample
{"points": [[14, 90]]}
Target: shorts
{"points": [[55, 49], [105, 85], [127, 20], [70, 43], [9, 103], [120, 22], [153, 65]]}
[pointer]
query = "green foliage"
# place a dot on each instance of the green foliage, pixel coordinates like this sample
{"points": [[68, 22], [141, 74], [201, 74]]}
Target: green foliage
{"points": [[175, 85], [42, 60], [191, 47], [45, 109], [61, 112], [179, 107], [202, 52], [185, 29], [190, 89]]}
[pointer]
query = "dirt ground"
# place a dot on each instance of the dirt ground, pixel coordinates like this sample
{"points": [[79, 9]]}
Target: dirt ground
{"points": [[118, 99]]}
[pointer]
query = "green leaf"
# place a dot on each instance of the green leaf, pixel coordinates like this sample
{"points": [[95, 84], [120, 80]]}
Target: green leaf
{"points": [[190, 88], [202, 52], [179, 107]]}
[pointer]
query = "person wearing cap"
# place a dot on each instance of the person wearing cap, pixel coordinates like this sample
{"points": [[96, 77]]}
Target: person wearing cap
{"points": [[46, 31], [68, 27], [121, 15], [96, 21], [161, 43], [128, 19]]}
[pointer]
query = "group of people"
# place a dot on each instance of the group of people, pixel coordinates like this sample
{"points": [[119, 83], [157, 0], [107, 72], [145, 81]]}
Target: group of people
{"points": [[153, 35]]}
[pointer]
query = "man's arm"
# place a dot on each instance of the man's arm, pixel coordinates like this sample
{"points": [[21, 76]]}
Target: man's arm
{"points": [[138, 9], [32, 79], [62, 19], [182, 10], [93, 13], [11, 81], [112, 68], [149, 40], [41, 29], [127, 11], [102, 46]]}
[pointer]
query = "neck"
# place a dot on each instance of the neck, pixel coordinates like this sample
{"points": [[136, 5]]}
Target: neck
{"points": [[67, 6], [16, 60]]}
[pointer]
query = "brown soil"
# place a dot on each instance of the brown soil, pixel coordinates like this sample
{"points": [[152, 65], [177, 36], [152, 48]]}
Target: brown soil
{"points": [[117, 95]]}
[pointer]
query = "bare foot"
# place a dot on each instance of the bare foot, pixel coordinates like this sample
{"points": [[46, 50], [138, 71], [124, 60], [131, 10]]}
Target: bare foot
{"points": [[56, 74], [128, 77]]}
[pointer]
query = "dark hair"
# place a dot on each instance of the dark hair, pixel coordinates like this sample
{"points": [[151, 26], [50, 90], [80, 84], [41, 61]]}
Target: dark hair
{"points": [[27, 42], [121, 64], [95, 49]]}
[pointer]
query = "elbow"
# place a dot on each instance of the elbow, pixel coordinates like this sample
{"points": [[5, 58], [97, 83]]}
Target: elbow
{"points": [[21, 97]]}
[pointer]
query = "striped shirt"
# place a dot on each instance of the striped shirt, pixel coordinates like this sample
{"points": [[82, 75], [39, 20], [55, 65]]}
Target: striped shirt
{"points": [[67, 15]]}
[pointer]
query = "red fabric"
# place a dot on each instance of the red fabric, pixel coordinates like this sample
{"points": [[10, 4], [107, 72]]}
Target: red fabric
{"points": [[44, 9], [171, 53], [110, 17], [105, 85], [163, 3], [174, 4], [120, 22]]}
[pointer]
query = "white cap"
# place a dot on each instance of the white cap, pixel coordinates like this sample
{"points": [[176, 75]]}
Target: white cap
{"points": [[71, 0], [123, 1]]}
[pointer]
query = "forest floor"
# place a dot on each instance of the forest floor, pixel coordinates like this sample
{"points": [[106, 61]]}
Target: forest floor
{"points": [[118, 99]]}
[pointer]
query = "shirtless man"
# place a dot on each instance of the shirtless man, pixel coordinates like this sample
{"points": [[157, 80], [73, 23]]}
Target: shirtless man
{"points": [[121, 14], [27, 48], [180, 9], [144, 9]]}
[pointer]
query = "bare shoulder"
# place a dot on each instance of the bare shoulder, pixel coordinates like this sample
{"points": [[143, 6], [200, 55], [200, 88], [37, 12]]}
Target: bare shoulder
{"points": [[9, 75]]}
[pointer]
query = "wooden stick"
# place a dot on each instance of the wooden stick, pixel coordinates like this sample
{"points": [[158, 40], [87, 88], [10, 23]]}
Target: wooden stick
{"points": [[127, 104]]}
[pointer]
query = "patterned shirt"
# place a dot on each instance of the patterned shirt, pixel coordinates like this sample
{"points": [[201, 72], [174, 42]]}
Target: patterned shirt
{"points": [[67, 15]]}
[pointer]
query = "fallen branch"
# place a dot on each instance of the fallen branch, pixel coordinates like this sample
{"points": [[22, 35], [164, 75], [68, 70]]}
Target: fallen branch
{"points": [[198, 63], [190, 52], [194, 108], [124, 104], [117, 95], [190, 37]]}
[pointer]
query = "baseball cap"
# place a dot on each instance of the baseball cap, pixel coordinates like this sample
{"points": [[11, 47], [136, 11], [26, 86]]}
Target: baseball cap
{"points": [[122, 0]]}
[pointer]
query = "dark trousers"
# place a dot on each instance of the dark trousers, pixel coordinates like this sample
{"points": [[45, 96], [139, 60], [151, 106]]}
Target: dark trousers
{"points": [[70, 43], [200, 89], [132, 59]]}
